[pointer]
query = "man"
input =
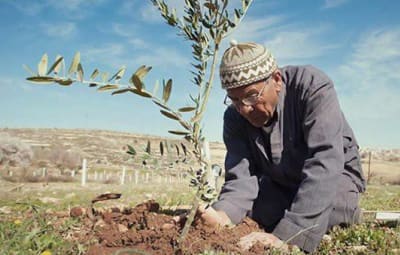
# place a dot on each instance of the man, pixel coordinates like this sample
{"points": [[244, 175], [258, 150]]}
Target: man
{"points": [[292, 160]]}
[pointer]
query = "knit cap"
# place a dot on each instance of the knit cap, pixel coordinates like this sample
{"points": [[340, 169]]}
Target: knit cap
{"points": [[245, 63]]}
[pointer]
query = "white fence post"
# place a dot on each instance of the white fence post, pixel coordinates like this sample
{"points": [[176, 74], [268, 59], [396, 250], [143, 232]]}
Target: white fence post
{"points": [[136, 177], [84, 172], [123, 175]]}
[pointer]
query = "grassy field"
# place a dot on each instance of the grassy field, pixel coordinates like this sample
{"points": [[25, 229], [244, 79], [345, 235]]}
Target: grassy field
{"points": [[29, 222]]}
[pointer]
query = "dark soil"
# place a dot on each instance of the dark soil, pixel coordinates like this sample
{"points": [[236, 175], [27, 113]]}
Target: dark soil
{"points": [[140, 230]]}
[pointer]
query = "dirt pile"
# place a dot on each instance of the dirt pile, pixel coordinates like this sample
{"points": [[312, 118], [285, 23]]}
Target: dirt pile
{"points": [[141, 229]]}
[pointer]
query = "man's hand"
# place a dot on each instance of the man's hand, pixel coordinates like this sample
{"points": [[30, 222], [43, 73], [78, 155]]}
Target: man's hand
{"points": [[266, 239], [210, 217], [207, 216]]}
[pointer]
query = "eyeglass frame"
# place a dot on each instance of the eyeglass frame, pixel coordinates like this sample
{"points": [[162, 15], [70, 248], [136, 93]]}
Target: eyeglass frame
{"points": [[256, 98]]}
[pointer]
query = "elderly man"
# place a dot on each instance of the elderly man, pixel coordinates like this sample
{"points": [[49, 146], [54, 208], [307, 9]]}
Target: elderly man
{"points": [[292, 160]]}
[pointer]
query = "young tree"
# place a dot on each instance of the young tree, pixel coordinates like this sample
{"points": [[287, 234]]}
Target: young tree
{"points": [[205, 24]]}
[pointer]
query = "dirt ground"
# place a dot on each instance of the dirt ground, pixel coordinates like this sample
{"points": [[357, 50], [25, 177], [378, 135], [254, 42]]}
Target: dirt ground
{"points": [[140, 230]]}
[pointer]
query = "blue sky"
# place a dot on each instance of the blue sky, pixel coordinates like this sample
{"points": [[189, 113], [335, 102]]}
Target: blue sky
{"points": [[356, 42]]}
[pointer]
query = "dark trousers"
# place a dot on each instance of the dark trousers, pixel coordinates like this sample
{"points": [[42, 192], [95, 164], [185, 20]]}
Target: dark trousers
{"points": [[273, 200]]}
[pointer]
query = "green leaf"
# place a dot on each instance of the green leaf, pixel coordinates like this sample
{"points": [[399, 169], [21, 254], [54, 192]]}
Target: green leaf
{"points": [[56, 66], [107, 87], [64, 82], [74, 64], [178, 132], [137, 82], [184, 149], [104, 77], [161, 148], [141, 93], [187, 109], [185, 125], [94, 74], [41, 79], [42, 66], [167, 91], [29, 70], [80, 73], [238, 13], [121, 91], [142, 71], [131, 150], [162, 105], [118, 75], [148, 148], [169, 115]]}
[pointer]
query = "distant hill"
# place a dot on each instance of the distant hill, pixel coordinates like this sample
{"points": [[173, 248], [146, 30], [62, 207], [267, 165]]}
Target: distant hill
{"points": [[102, 147]]}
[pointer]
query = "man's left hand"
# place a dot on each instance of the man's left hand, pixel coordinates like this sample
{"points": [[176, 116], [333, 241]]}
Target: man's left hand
{"points": [[266, 239]]}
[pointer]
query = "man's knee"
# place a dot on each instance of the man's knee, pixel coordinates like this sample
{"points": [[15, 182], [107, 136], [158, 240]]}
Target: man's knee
{"points": [[346, 210]]}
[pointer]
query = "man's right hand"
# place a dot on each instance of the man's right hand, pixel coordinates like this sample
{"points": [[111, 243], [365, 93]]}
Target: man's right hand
{"points": [[210, 217], [207, 216]]}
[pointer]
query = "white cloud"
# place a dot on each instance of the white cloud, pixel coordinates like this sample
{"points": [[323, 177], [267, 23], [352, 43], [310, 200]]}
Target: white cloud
{"points": [[287, 41], [74, 5], [150, 13], [65, 29], [108, 54], [369, 86], [164, 57], [333, 3], [122, 30], [255, 29], [375, 61], [293, 45], [116, 54], [31, 8], [74, 8]]}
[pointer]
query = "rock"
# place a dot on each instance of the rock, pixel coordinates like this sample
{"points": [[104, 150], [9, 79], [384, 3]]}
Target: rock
{"points": [[5, 209], [77, 212], [100, 223], [122, 228]]}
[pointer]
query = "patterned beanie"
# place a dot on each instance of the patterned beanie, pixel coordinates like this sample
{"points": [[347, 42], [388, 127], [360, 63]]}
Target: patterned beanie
{"points": [[245, 63]]}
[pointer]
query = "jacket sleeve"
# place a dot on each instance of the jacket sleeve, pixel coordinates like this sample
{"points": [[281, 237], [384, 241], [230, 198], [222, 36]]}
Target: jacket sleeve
{"points": [[240, 187], [306, 221]]}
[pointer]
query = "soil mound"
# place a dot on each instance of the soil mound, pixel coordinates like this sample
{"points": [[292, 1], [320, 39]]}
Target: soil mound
{"points": [[139, 230]]}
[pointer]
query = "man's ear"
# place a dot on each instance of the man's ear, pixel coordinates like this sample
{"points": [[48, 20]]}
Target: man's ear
{"points": [[277, 77]]}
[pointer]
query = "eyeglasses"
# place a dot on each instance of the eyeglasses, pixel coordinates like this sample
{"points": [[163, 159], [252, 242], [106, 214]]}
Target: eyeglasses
{"points": [[249, 100]]}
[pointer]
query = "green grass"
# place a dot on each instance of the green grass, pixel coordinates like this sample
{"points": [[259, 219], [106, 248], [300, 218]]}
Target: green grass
{"points": [[381, 197], [28, 228], [33, 232]]}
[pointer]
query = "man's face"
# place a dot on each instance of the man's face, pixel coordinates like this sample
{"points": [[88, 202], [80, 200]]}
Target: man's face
{"points": [[264, 106]]}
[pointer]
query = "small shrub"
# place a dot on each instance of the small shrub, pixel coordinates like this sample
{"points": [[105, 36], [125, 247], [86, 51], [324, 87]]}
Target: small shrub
{"points": [[64, 158], [14, 152]]}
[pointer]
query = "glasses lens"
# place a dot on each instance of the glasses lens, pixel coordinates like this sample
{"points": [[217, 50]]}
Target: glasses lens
{"points": [[250, 100]]}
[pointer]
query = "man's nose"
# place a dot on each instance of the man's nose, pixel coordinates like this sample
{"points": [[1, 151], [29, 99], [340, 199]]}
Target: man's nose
{"points": [[244, 109]]}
